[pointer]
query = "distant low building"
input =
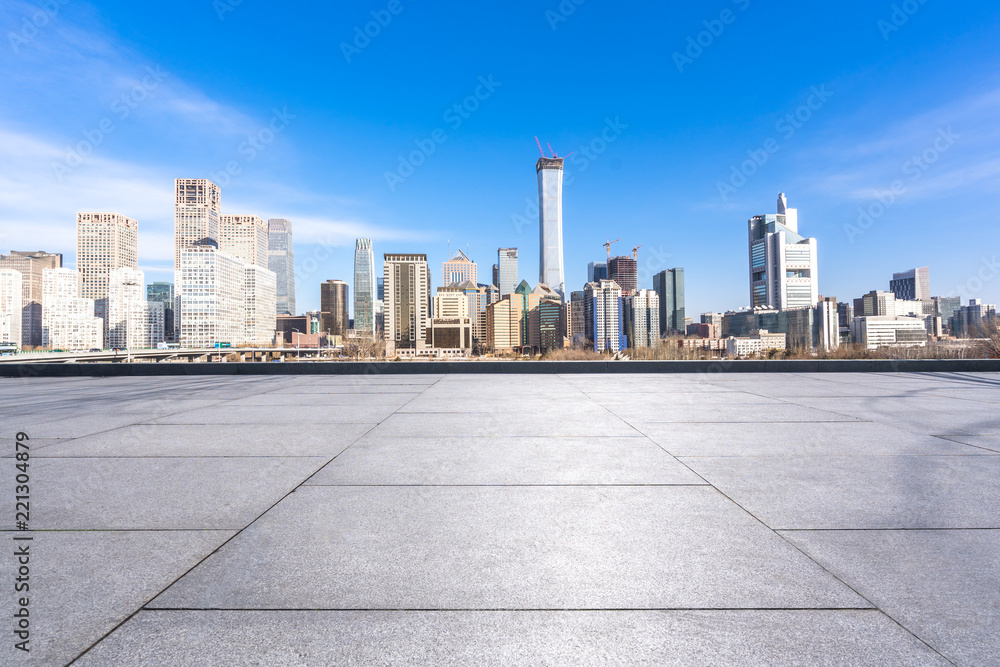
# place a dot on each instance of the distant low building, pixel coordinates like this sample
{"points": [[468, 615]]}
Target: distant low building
{"points": [[877, 331], [758, 343]]}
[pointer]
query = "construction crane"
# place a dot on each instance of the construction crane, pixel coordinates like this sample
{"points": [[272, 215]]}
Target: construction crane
{"points": [[550, 150], [607, 246], [635, 252]]}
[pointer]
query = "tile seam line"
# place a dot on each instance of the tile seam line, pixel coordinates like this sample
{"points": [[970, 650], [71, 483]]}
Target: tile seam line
{"points": [[224, 543], [809, 557], [867, 610]]}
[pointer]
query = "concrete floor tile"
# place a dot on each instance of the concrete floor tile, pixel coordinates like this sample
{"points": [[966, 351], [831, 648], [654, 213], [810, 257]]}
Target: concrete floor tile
{"points": [[152, 440], [941, 585], [493, 461], [83, 584], [669, 638], [861, 492], [156, 493], [507, 548]]}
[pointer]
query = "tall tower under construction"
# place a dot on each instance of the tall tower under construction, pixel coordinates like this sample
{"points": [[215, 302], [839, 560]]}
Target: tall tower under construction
{"points": [[550, 231]]}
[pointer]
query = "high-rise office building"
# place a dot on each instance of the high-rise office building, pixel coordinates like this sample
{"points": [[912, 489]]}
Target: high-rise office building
{"points": [[30, 265], [260, 296], [380, 307], [128, 310], [550, 223], [68, 320], [575, 327], [281, 260], [505, 325], [624, 270], [603, 316], [197, 207], [407, 300], [597, 271], [546, 329], [245, 237], [968, 320], [783, 264], [496, 275], [333, 295], [104, 242], [211, 295], [669, 286], [507, 271], [458, 269], [913, 285], [161, 292], [364, 287], [641, 315], [11, 307]]}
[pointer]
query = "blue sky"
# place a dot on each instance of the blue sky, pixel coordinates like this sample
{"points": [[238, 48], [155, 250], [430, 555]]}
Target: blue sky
{"points": [[103, 105]]}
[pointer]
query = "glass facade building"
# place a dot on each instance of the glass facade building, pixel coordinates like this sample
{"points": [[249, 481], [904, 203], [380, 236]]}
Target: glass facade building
{"points": [[507, 271], [669, 286], [281, 260], [365, 288], [550, 230], [783, 264]]}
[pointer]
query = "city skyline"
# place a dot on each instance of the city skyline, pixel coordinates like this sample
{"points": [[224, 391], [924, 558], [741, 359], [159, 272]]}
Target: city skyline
{"points": [[324, 167]]}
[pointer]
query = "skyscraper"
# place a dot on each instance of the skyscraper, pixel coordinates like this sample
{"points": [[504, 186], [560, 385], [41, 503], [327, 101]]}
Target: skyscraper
{"points": [[128, 310], [458, 269], [197, 206], [507, 271], [669, 286], [11, 307], [68, 321], [334, 317], [364, 287], [31, 265], [163, 293], [407, 292], [783, 264], [624, 270], [281, 260], [212, 297], [245, 237], [550, 231], [260, 294], [104, 242], [597, 271], [603, 316], [913, 285], [642, 319]]}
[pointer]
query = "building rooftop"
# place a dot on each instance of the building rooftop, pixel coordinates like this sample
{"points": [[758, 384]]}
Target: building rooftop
{"points": [[614, 519]]}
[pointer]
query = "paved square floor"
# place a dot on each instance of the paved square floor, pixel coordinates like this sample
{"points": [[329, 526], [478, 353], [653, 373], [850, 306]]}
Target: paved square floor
{"points": [[703, 519]]}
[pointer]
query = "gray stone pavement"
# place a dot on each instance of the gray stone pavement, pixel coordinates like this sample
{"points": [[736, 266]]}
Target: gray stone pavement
{"points": [[779, 519]]}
